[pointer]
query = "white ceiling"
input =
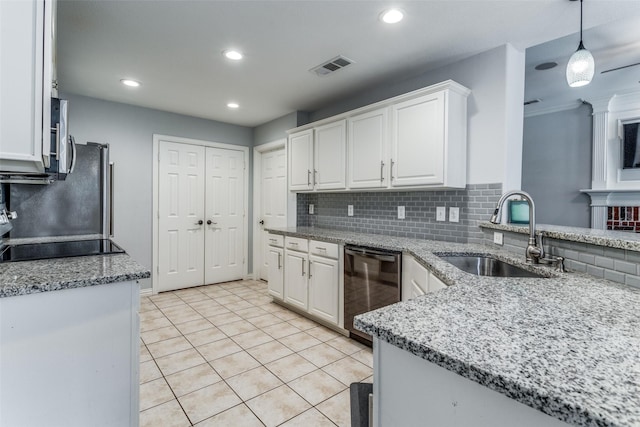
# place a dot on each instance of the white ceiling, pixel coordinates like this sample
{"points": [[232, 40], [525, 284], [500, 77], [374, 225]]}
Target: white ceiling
{"points": [[613, 45], [174, 47]]}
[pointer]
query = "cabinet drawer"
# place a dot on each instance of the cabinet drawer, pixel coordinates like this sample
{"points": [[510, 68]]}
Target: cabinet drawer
{"points": [[296, 244], [329, 250], [276, 240]]}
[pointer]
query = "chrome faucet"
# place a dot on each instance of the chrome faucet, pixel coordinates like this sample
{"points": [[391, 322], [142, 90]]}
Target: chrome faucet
{"points": [[534, 252]]}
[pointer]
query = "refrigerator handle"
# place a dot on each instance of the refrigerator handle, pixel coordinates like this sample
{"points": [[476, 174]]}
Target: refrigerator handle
{"points": [[111, 199], [72, 140]]}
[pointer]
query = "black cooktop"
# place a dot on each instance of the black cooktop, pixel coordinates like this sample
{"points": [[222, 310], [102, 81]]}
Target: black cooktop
{"points": [[34, 251]]}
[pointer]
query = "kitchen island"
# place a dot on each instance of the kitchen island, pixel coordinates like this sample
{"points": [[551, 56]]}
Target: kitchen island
{"points": [[565, 345], [69, 341]]}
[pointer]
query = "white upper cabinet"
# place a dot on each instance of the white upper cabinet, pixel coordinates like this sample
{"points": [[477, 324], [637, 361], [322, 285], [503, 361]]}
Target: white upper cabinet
{"points": [[417, 143], [413, 141], [301, 161], [330, 156], [25, 85], [368, 136]]}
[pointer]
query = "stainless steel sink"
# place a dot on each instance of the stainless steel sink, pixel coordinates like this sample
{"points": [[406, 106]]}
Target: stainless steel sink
{"points": [[487, 266]]}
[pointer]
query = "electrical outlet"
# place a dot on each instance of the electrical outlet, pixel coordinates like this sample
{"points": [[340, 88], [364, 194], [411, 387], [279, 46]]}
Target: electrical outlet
{"points": [[400, 212], [311, 209], [497, 238], [441, 213], [350, 210], [454, 214]]}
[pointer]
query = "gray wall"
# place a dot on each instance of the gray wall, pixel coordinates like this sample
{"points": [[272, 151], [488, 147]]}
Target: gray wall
{"points": [[557, 164], [129, 132], [277, 129]]}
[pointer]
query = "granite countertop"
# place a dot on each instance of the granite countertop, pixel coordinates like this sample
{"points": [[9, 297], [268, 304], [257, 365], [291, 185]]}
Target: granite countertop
{"points": [[566, 345], [608, 238], [29, 277]]}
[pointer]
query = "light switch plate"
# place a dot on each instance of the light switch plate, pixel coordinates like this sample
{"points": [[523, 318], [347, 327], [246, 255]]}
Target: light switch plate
{"points": [[311, 209], [441, 213], [454, 214], [350, 210], [400, 212], [497, 238]]}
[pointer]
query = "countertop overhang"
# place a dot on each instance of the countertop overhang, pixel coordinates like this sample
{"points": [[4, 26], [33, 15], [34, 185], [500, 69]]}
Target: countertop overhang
{"points": [[30, 277], [566, 345]]}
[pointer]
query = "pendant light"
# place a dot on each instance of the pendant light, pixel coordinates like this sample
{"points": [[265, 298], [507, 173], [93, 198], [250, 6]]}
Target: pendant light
{"points": [[580, 68]]}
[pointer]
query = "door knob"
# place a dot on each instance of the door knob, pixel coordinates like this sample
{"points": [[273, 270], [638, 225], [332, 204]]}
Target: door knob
{"points": [[200, 222], [262, 222]]}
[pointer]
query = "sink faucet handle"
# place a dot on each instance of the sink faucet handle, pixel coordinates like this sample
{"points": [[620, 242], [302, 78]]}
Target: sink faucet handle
{"points": [[540, 245]]}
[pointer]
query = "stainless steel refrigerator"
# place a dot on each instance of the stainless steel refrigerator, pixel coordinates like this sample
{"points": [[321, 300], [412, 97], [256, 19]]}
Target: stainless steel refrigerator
{"points": [[79, 205]]}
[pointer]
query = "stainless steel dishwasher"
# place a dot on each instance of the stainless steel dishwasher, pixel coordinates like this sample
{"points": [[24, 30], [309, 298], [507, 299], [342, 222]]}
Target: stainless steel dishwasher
{"points": [[371, 280]]}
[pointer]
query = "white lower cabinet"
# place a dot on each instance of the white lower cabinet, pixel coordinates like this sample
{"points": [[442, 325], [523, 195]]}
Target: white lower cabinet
{"points": [[295, 278], [417, 280], [323, 288], [311, 278], [276, 272]]}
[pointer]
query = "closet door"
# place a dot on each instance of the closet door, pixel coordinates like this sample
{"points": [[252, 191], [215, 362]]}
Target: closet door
{"points": [[181, 212], [225, 213]]}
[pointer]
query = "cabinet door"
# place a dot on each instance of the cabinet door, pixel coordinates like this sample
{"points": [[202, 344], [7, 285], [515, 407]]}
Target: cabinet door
{"points": [[323, 288], [415, 278], [367, 148], [418, 138], [25, 84], [295, 279], [330, 156], [276, 272], [301, 161], [435, 283], [415, 290]]}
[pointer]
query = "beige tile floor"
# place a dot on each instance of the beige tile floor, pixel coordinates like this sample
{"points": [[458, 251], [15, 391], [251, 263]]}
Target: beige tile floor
{"points": [[225, 355]]}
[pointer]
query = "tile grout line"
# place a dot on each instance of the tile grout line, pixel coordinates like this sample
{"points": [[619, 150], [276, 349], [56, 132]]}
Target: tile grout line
{"points": [[206, 297]]}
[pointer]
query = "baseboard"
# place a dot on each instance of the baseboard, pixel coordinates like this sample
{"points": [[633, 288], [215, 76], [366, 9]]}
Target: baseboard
{"points": [[146, 292], [248, 276]]}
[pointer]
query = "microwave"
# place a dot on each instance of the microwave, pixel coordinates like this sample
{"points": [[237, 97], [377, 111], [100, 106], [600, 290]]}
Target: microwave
{"points": [[62, 157]]}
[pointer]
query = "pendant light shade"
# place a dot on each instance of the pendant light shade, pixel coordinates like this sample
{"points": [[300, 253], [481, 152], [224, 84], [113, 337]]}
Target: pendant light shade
{"points": [[581, 66]]}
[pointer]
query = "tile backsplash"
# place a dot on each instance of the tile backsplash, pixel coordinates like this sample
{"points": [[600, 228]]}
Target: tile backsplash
{"points": [[377, 212]]}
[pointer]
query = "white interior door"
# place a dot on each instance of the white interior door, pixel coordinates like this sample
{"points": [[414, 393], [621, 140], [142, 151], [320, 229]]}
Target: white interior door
{"points": [[273, 200], [181, 207], [224, 246]]}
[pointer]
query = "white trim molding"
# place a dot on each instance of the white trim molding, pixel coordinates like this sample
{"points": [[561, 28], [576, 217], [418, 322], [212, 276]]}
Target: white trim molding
{"points": [[610, 186]]}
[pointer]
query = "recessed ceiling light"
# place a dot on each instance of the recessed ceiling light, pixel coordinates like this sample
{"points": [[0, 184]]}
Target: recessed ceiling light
{"points": [[233, 105], [391, 16], [232, 54], [130, 83]]}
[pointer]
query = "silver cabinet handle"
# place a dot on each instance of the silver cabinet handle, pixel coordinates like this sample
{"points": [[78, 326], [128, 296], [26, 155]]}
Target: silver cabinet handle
{"points": [[320, 248], [274, 241], [392, 163], [310, 269], [293, 243], [315, 177], [381, 171], [308, 178], [302, 264], [279, 262]]}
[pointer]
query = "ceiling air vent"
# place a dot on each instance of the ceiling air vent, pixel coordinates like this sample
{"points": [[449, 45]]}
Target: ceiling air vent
{"points": [[331, 66], [533, 101]]}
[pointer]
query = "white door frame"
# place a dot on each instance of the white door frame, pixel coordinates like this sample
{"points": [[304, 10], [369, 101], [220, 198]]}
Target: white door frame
{"points": [[290, 214], [155, 220]]}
